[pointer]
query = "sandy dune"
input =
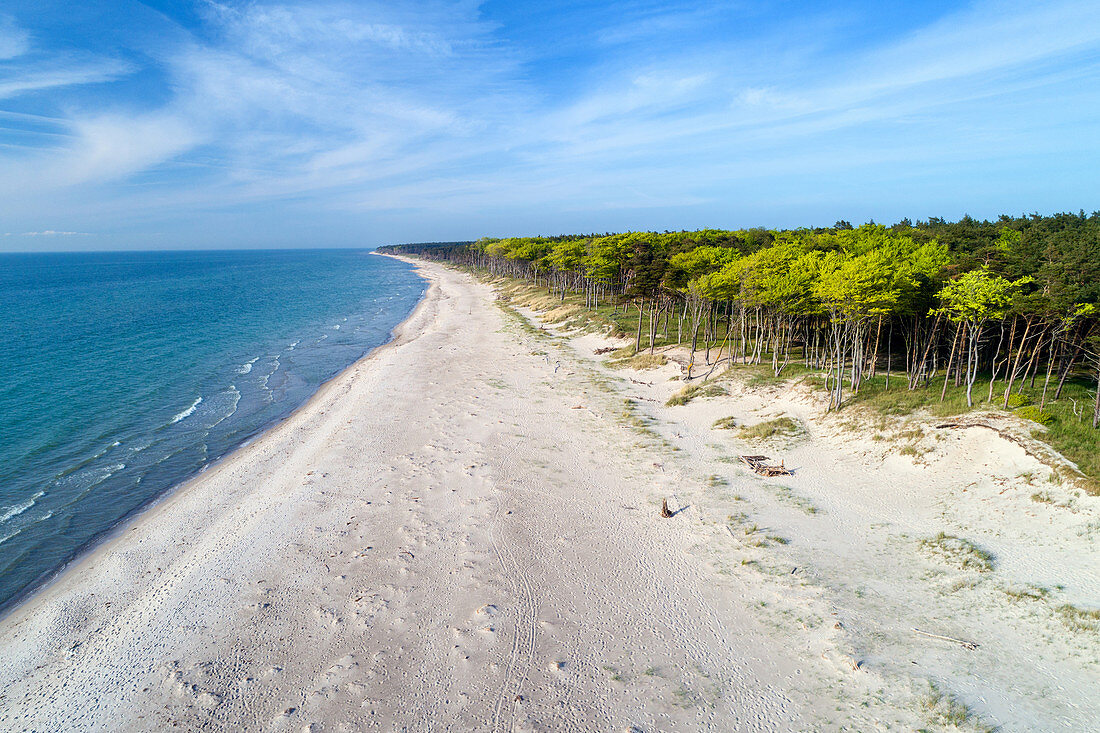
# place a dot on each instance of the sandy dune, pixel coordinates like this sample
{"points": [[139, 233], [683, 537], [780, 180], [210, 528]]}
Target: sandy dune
{"points": [[461, 532]]}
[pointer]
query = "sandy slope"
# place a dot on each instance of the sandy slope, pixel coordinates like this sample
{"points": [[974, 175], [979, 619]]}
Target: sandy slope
{"points": [[461, 533]]}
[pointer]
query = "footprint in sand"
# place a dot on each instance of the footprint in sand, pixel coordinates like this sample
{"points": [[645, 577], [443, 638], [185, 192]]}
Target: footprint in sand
{"points": [[484, 616]]}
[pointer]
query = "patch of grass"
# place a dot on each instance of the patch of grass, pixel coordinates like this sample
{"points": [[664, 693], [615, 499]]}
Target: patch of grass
{"points": [[685, 698], [640, 423], [685, 395], [1042, 497], [961, 553], [714, 481], [1026, 593], [639, 362], [1079, 619], [943, 709], [786, 493], [780, 427], [725, 423], [615, 674]]}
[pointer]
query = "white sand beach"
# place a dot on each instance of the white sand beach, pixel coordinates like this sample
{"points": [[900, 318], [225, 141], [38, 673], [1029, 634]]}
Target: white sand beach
{"points": [[462, 532]]}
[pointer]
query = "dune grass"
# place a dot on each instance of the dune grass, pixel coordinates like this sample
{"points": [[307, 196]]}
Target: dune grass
{"points": [[780, 427], [959, 552]]}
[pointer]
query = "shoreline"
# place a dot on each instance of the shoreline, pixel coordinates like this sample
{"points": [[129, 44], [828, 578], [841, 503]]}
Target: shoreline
{"points": [[466, 529], [118, 529]]}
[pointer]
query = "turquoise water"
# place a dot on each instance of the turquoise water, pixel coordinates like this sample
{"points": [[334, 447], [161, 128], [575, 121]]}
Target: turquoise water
{"points": [[122, 374]]}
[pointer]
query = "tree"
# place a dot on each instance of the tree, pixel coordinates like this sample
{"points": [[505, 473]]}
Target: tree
{"points": [[970, 301]]}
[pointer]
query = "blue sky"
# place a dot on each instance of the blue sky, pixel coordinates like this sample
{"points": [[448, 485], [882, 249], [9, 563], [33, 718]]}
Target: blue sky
{"points": [[266, 124]]}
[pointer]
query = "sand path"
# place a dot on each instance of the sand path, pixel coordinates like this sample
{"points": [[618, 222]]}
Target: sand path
{"points": [[454, 534]]}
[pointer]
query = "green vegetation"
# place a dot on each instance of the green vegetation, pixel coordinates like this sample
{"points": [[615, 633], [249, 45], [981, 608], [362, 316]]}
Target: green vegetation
{"points": [[780, 427], [640, 361], [936, 315], [945, 710], [1080, 619], [726, 423], [961, 553]]}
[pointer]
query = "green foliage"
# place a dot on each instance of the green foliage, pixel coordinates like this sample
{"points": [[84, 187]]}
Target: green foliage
{"points": [[780, 427], [977, 296], [1032, 412], [1018, 400]]}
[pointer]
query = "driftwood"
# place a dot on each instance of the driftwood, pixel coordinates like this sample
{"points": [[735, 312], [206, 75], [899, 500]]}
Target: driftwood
{"points": [[757, 464], [665, 510], [962, 642]]}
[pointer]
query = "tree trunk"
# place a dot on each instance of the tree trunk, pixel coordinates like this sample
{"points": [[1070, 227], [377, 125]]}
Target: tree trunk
{"points": [[950, 361], [1016, 364]]}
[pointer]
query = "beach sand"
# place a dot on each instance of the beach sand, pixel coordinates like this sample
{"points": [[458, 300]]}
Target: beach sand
{"points": [[462, 532]]}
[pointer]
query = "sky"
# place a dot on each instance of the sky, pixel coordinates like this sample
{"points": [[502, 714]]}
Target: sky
{"points": [[226, 124]]}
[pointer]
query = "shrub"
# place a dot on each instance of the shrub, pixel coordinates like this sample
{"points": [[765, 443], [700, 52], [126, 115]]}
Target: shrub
{"points": [[1018, 400], [1031, 412]]}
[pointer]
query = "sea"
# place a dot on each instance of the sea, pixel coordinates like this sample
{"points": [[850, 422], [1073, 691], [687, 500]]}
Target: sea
{"points": [[123, 374]]}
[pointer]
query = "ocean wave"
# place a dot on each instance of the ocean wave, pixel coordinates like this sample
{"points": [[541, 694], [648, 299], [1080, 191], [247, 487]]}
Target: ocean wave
{"points": [[188, 411], [336, 327], [291, 347], [246, 367], [25, 525], [16, 509], [235, 398], [275, 367]]}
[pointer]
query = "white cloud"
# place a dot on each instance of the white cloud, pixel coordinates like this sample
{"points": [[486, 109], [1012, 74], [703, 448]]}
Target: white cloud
{"points": [[114, 146], [36, 79], [49, 233], [14, 41]]}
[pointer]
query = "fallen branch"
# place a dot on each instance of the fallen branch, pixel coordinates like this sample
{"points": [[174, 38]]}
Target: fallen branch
{"points": [[962, 642], [756, 463]]}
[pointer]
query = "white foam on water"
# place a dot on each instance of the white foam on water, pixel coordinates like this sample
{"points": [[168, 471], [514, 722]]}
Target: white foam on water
{"points": [[246, 367], [291, 347], [188, 411], [16, 509], [235, 398]]}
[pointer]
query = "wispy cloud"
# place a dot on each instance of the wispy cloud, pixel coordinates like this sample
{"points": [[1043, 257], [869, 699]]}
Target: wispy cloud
{"points": [[32, 80], [48, 233], [14, 41], [446, 110]]}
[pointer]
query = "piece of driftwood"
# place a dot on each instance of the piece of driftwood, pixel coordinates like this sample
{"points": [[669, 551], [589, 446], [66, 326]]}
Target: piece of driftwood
{"points": [[605, 350], [962, 642], [759, 465], [665, 510]]}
